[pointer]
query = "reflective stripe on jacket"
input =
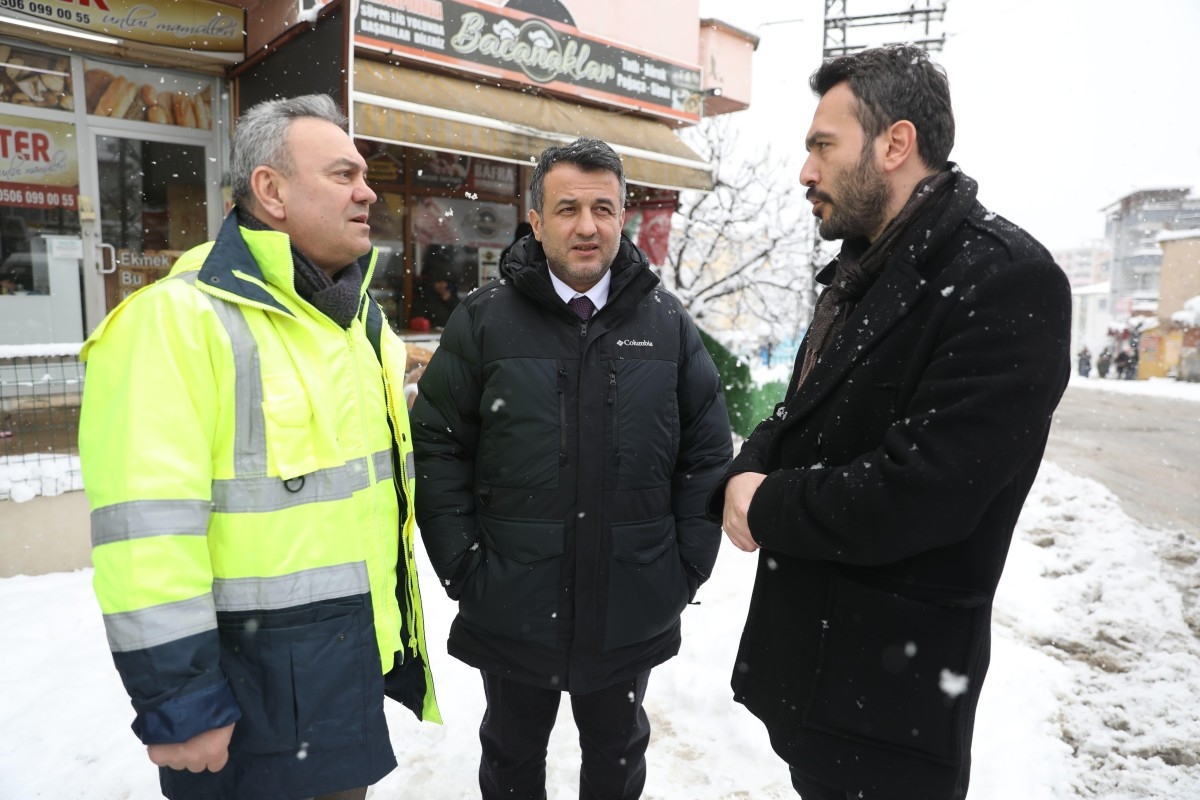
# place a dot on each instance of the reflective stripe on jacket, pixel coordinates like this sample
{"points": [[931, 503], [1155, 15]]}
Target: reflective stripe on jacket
{"points": [[242, 474]]}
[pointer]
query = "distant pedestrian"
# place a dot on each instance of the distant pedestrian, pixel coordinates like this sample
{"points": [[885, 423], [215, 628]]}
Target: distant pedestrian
{"points": [[1122, 363], [1085, 362], [1104, 362]]}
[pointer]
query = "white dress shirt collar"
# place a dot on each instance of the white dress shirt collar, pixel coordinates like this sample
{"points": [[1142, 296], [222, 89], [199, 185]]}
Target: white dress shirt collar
{"points": [[598, 294]]}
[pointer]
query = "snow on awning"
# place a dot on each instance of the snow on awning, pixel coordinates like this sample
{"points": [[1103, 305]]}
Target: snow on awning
{"points": [[437, 112]]}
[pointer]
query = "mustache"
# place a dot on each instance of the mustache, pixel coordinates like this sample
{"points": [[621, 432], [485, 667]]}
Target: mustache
{"points": [[814, 193]]}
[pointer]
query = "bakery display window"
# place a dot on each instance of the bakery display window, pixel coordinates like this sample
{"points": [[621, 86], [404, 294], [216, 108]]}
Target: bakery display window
{"points": [[142, 95], [35, 80]]}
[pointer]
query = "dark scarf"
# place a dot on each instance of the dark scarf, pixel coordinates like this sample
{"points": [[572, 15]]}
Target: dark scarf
{"points": [[337, 298], [859, 264]]}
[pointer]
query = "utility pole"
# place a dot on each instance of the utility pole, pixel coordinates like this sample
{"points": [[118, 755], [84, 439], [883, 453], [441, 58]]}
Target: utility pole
{"points": [[844, 33], [916, 25]]}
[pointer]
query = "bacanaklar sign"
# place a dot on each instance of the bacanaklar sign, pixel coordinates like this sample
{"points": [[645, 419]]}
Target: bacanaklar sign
{"points": [[486, 40]]}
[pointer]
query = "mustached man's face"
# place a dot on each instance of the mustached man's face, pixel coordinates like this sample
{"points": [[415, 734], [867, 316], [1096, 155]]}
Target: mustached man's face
{"points": [[580, 223], [847, 187]]}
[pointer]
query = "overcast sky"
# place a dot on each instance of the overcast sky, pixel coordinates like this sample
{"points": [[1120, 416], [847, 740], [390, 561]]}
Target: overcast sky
{"points": [[1061, 106]]}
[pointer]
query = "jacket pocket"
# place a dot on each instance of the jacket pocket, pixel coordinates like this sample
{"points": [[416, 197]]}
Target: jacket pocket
{"points": [[288, 418], [514, 592], [647, 586], [298, 676], [895, 672]]}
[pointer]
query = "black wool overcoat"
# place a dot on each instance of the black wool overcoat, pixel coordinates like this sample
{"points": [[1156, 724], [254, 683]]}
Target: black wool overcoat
{"points": [[895, 475]]}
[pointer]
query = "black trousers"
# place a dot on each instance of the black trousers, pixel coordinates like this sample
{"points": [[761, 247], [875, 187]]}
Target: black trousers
{"points": [[613, 735]]}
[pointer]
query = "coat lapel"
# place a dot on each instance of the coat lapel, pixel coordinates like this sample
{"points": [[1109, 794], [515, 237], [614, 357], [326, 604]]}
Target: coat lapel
{"points": [[889, 299], [887, 302]]}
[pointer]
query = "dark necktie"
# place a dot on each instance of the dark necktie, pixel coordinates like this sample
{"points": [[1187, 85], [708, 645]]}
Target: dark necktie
{"points": [[582, 306]]}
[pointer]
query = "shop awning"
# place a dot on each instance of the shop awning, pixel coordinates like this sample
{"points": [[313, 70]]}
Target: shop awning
{"points": [[420, 109]]}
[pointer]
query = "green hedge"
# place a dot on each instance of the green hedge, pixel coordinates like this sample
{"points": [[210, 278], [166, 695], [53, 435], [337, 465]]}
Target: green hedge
{"points": [[748, 403]]}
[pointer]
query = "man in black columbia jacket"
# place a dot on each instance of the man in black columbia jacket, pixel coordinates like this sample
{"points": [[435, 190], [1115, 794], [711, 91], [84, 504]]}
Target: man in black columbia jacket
{"points": [[567, 432], [884, 490]]}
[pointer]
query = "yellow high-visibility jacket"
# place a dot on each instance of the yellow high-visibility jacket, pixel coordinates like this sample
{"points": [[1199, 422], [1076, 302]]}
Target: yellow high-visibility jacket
{"points": [[248, 463]]}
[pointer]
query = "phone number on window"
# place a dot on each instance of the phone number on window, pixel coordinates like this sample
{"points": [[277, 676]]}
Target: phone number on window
{"points": [[36, 198]]}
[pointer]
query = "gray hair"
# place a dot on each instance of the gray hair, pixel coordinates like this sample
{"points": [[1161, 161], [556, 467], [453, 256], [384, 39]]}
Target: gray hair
{"points": [[590, 155], [260, 139]]}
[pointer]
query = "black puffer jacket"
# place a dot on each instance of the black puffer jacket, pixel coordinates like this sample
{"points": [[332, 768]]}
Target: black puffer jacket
{"points": [[562, 473]]}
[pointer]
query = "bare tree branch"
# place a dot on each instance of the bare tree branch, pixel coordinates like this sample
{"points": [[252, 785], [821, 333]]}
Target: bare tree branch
{"points": [[740, 257]]}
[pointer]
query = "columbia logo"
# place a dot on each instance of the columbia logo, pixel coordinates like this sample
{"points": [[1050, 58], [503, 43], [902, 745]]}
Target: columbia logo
{"points": [[634, 343]]}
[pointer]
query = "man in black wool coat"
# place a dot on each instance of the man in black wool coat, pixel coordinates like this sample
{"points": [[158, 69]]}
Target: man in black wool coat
{"points": [[883, 491]]}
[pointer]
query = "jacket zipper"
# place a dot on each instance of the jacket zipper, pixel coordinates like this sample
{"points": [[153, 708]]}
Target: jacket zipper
{"points": [[400, 480], [562, 417], [612, 401]]}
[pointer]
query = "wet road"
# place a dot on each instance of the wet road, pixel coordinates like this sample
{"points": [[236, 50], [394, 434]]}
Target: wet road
{"points": [[1146, 450]]}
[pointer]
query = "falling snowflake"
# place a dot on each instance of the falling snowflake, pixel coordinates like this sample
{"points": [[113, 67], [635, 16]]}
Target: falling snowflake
{"points": [[952, 684]]}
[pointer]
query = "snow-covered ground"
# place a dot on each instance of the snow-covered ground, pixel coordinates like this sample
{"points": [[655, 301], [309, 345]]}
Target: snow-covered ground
{"points": [[1094, 689]]}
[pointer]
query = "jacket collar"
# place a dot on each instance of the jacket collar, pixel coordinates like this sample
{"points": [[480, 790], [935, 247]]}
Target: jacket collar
{"points": [[232, 268], [895, 292], [528, 270]]}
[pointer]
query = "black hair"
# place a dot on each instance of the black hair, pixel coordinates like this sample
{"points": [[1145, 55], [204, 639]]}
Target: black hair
{"points": [[589, 155], [895, 83]]}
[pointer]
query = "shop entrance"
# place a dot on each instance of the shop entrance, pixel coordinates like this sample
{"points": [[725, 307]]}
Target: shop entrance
{"points": [[108, 171], [152, 205]]}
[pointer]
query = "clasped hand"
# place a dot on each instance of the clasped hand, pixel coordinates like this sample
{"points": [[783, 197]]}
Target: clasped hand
{"points": [[204, 751], [739, 491]]}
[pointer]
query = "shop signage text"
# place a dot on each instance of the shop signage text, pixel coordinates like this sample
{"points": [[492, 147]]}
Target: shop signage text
{"points": [[38, 166], [200, 25], [482, 39]]}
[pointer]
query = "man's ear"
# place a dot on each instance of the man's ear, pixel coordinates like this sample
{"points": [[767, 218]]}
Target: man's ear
{"points": [[267, 186], [900, 145], [535, 222]]}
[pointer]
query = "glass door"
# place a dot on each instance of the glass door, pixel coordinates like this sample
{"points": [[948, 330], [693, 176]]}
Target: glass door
{"points": [[153, 205]]}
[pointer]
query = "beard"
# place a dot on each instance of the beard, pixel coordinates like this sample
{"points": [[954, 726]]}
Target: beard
{"points": [[861, 203]]}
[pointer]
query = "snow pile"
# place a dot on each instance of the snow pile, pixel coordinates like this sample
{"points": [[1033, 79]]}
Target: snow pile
{"points": [[1153, 387], [1190, 315], [1092, 691], [24, 477], [40, 350], [1116, 608]]}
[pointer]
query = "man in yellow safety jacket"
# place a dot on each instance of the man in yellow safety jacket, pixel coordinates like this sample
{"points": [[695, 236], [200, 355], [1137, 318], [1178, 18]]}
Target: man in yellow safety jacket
{"points": [[246, 452]]}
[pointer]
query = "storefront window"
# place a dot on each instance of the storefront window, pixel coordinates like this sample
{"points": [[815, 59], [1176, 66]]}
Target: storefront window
{"points": [[387, 234], [120, 92], [36, 80], [40, 242], [440, 224], [458, 250]]}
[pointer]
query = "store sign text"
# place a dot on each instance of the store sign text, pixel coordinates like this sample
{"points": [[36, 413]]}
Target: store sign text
{"points": [[38, 168], [201, 25], [24, 144], [26, 153], [466, 35], [535, 48]]}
